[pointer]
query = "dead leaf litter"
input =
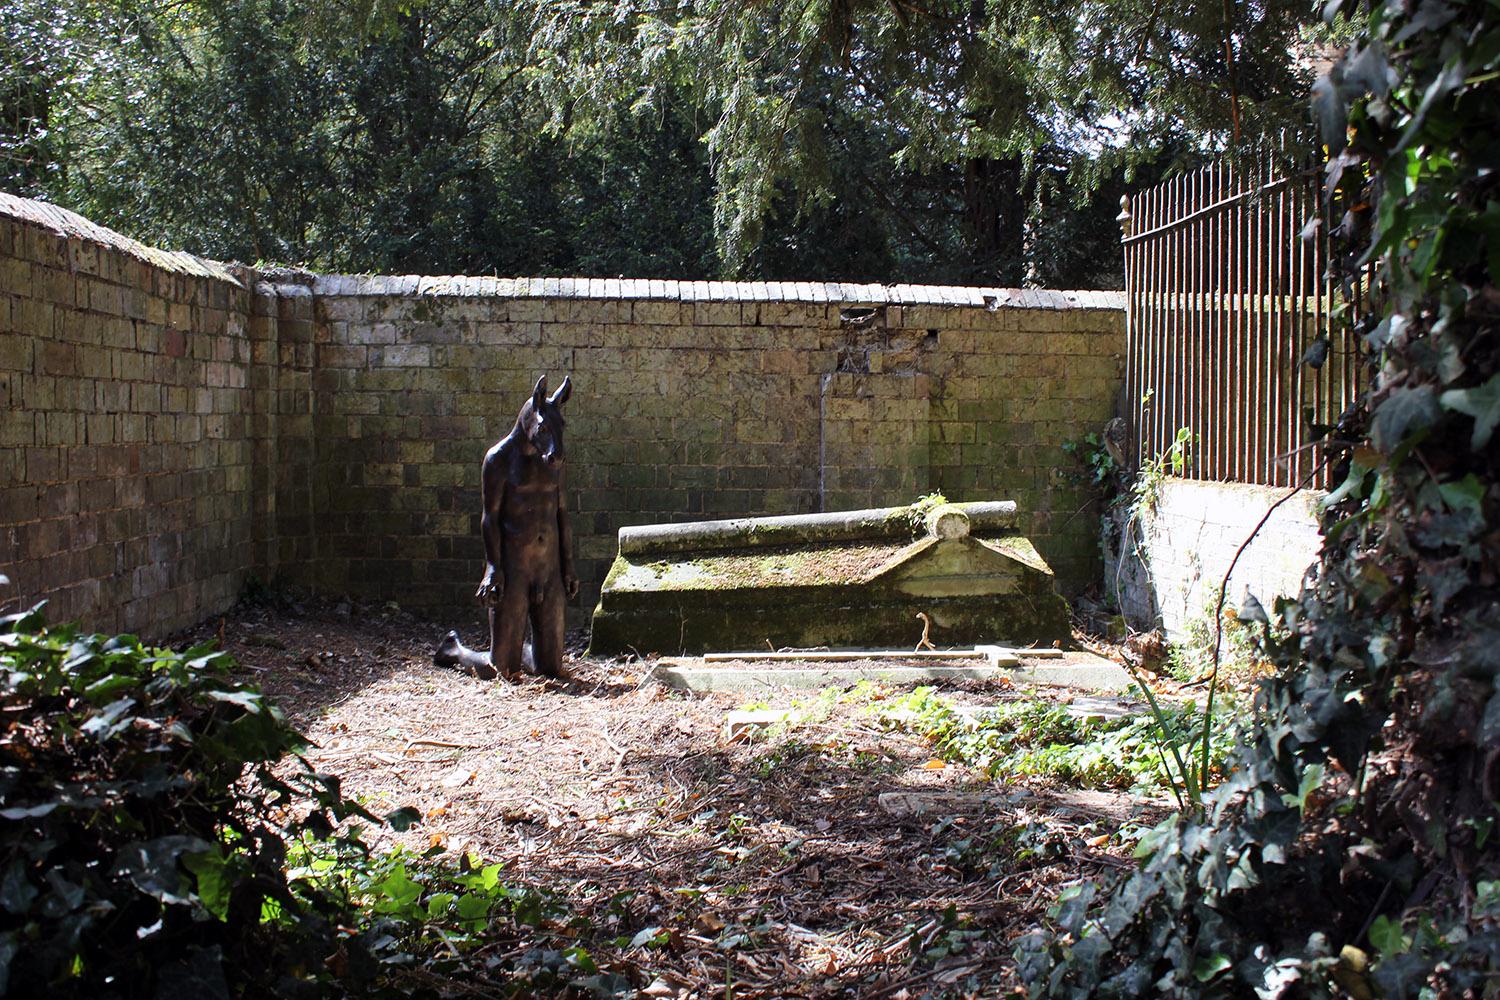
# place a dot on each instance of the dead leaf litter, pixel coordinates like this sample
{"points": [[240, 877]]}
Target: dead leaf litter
{"points": [[831, 857]]}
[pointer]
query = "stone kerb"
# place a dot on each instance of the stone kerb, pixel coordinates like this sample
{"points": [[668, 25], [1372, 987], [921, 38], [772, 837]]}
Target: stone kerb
{"points": [[803, 529]]}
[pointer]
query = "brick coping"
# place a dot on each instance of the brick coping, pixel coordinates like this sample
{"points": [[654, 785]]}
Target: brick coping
{"points": [[72, 226], [636, 289]]}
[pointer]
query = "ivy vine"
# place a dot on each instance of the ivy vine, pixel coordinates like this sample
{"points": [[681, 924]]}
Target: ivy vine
{"points": [[1350, 849]]}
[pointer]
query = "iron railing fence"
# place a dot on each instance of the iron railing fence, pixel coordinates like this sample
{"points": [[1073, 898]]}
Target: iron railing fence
{"points": [[1224, 297]]}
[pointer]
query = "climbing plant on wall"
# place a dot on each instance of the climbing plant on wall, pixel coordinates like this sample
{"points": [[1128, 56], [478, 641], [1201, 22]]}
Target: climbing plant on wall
{"points": [[1353, 846]]}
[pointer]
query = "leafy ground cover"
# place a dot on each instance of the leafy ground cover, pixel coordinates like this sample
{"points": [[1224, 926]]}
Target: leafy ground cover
{"points": [[1351, 850], [1038, 737], [147, 820], [639, 850]]}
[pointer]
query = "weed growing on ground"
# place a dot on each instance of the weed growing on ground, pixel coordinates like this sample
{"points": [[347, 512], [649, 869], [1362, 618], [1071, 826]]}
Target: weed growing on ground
{"points": [[1036, 738], [1242, 658]]}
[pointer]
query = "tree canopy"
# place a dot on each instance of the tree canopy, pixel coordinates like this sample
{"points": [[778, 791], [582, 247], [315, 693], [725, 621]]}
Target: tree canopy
{"points": [[954, 140]]}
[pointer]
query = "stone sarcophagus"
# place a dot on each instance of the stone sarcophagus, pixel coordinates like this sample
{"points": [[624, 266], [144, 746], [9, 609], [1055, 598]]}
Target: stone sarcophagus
{"points": [[849, 579]]}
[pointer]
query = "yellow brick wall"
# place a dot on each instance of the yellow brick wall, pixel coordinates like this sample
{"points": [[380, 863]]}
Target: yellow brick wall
{"points": [[173, 426], [128, 429]]}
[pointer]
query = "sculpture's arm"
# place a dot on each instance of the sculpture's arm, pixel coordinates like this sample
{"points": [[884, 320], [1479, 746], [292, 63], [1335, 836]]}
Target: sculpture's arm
{"points": [[565, 539], [493, 483]]}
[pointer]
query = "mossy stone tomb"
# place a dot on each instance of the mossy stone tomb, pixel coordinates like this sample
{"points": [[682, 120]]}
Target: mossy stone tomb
{"points": [[847, 579]]}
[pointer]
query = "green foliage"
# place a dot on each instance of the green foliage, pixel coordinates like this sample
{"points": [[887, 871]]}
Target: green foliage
{"points": [[160, 833], [1241, 656], [405, 141], [1095, 457], [1007, 110], [1128, 507], [144, 831], [1034, 737], [1349, 850], [1175, 461], [409, 911], [916, 512]]}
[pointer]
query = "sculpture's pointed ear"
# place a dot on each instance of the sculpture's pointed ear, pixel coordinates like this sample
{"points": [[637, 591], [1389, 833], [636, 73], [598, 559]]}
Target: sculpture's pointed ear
{"points": [[563, 392], [539, 393]]}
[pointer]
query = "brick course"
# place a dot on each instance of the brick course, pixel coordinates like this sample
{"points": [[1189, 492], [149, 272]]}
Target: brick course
{"points": [[173, 426]]}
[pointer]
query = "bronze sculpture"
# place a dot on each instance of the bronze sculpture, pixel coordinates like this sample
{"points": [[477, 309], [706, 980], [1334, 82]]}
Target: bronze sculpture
{"points": [[528, 546]]}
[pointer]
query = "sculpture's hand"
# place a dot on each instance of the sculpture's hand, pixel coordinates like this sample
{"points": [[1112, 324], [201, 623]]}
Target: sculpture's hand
{"points": [[490, 590], [570, 583]]}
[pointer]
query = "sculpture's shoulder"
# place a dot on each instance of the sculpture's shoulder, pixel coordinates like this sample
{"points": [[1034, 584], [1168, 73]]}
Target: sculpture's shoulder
{"points": [[500, 452], [497, 464]]}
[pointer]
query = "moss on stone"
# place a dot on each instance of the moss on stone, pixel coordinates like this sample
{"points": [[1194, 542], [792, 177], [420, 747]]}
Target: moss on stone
{"points": [[786, 566], [974, 590]]}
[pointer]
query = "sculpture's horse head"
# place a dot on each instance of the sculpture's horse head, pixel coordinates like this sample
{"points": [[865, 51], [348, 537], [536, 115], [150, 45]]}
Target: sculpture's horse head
{"points": [[541, 420]]}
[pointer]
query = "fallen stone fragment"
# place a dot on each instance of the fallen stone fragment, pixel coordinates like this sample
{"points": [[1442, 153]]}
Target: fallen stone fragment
{"points": [[743, 723], [901, 804]]}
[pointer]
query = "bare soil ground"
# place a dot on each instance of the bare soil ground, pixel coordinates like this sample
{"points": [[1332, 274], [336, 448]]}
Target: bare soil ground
{"points": [[769, 866]]}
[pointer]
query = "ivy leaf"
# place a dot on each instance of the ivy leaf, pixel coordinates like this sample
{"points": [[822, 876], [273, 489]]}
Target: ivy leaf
{"points": [[1328, 108], [650, 937], [472, 907], [1386, 936], [1370, 70], [1465, 494], [1312, 777], [1489, 726], [9, 946], [152, 865], [250, 701], [16, 893], [1073, 905], [399, 888], [1403, 413], [1482, 403], [208, 868], [1207, 968], [1316, 354], [1449, 80], [1490, 223]]}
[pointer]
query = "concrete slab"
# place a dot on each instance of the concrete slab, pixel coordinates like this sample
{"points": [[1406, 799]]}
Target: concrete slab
{"points": [[1092, 674], [752, 679], [996, 656], [1080, 707], [903, 803], [1024, 652], [1086, 707], [1080, 672]]}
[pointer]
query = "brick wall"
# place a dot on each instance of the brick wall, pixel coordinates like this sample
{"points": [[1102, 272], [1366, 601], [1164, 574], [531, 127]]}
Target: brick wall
{"points": [[126, 440], [174, 426], [1191, 539], [694, 400]]}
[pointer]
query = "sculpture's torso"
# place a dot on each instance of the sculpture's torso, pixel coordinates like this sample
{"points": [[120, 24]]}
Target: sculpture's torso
{"points": [[528, 512]]}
